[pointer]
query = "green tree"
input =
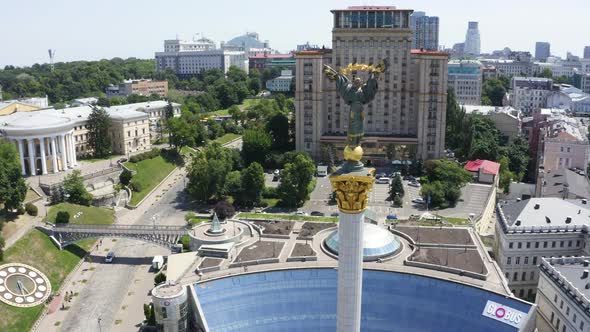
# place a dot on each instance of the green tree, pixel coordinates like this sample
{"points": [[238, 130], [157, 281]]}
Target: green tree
{"points": [[296, 178], [74, 190], [198, 176], [2, 244], [224, 210], [485, 139], [254, 81], [182, 133], [445, 178], [12, 185], [233, 184], [278, 127], [518, 156], [62, 217], [236, 114], [256, 146], [236, 74], [125, 177], [159, 278], [493, 91], [252, 184], [506, 175], [281, 101], [396, 188], [169, 111], [99, 123]]}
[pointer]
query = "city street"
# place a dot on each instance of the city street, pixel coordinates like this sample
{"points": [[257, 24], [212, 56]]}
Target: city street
{"points": [[109, 286]]}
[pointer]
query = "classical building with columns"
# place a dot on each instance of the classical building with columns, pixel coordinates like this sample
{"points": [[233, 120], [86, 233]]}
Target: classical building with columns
{"points": [[50, 141]]}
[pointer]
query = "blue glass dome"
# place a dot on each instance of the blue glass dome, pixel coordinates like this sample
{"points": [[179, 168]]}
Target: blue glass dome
{"points": [[305, 300], [377, 242]]}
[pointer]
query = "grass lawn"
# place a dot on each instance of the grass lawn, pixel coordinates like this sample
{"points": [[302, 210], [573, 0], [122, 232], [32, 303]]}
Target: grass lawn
{"points": [[37, 250], [185, 150], [149, 174], [244, 104], [456, 221], [271, 202], [92, 160], [270, 216], [226, 138], [90, 214]]}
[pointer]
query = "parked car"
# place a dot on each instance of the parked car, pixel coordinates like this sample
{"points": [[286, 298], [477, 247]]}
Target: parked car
{"points": [[109, 257], [380, 175], [300, 213], [335, 214], [391, 217], [383, 180], [408, 177], [414, 184], [317, 213], [418, 200]]}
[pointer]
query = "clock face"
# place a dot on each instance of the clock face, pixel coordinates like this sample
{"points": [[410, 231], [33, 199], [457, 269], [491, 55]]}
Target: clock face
{"points": [[22, 285]]}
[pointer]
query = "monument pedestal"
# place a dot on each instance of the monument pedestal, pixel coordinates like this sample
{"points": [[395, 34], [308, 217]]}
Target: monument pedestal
{"points": [[352, 194]]}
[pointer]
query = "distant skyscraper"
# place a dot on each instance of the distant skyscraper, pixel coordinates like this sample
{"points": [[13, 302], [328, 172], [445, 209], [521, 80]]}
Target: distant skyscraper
{"points": [[587, 52], [472, 41], [424, 31], [542, 51]]}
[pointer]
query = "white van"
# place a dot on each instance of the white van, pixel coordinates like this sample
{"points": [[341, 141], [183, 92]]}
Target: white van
{"points": [[157, 262], [322, 170], [383, 180]]}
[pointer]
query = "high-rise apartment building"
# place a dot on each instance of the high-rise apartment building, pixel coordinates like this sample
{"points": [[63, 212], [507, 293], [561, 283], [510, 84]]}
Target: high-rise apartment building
{"points": [[465, 78], [188, 58], [472, 39], [424, 31], [587, 52], [542, 51], [408, 112]]}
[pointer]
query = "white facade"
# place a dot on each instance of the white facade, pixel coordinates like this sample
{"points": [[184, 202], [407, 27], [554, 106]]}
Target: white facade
{"points": [[171, 306], [281, 83], [571, 99], [191, 58], [530, 93], [562, 298], [49, 141], [531, 229], [509, 68], [465, 78]]}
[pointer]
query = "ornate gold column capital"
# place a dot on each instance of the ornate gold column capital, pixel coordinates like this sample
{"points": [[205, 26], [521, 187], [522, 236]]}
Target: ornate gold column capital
{"points": [[352, 192]]}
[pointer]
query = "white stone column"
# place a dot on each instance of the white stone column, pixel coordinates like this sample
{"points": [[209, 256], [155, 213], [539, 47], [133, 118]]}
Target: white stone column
{"points": [[21, 152], [43, 161], [73, 149], [62, 150], [350, 272], [68, 150], [31, 146], [54, 154]]}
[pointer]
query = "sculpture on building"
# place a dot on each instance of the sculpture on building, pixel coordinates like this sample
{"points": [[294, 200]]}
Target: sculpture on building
{"points": [[355, 93]]}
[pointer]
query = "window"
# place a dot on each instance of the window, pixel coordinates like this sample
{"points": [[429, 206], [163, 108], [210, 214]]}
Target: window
{"points": [[577, 243], [517, 261], [552, 317], [526, 260], [510, 245], [553, 243], [561, 244], [528, 245], [523, 276], [532, 275], [509, 261], [557, 323], [515, 276], [569, 243], [507, 275], [567, 311], [536, 244], [519, 245], [534, 260], [555, 298], [575, 317], [581, 325], [561, 305], [544, 244]]}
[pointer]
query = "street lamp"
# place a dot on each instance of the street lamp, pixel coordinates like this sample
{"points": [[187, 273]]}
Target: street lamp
{"points": [[155, 218], [99, 328]]}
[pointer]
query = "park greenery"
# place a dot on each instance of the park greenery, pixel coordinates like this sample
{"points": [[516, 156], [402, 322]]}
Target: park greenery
{"points": [[493, 91], [85, 214], [476, 137], [441, 187], [98, 124], [71, 190], [396, 191], [12, 185], [151, 169]]}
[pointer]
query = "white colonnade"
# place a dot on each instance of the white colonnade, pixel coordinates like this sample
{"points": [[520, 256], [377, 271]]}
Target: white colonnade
{"points": [[39, 153]]}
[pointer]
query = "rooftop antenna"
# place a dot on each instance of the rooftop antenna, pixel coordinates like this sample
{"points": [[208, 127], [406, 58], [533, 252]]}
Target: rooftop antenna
{"points": [[51, 57]]}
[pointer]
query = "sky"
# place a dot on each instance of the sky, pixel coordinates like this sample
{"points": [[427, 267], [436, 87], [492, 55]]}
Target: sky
{"points": [[93, 29]]}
